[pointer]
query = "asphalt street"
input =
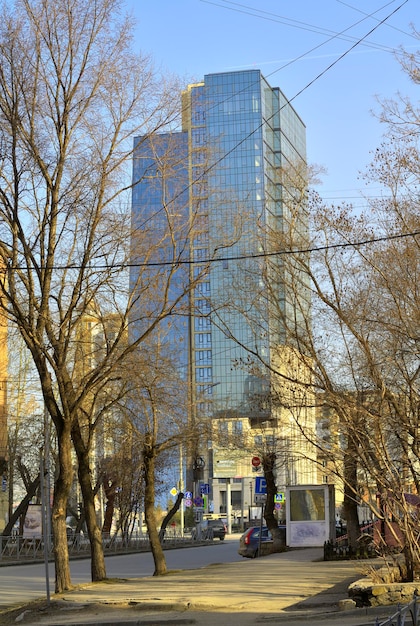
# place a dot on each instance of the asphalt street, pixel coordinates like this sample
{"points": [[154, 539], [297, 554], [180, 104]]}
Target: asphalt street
{"points": [[289, 588]]}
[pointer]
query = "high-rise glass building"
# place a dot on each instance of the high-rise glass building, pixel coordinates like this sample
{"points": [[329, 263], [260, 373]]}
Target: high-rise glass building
{"points": [[238, 133]]}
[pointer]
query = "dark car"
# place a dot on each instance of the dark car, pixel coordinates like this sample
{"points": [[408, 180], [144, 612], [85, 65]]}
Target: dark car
{"points": [[211, 528], [250, 540]]}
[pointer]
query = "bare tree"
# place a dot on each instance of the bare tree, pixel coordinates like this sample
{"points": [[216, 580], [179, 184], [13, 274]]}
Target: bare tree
{"points": [[158, 406], [358, 351], [72, 95], [121, 477], [26, 428], [349, 331]]}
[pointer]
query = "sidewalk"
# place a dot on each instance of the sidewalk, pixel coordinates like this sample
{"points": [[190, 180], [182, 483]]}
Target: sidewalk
{"points": [[289, 588]]}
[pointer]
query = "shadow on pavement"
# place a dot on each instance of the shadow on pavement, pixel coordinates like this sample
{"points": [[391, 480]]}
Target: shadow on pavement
{"points": [[326, 599]]}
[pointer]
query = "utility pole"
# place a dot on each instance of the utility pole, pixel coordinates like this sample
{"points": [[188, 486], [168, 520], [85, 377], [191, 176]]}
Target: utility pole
{"points": [[45, 513]]}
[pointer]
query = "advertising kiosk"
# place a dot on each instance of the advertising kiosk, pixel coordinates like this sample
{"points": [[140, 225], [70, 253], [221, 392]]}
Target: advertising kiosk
{"points": [[310, 515]]}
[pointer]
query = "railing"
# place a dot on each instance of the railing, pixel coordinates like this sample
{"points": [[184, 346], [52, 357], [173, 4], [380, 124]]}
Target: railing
{"points": [[411, 610], [205, 534], [17, 548], [340, 550]]}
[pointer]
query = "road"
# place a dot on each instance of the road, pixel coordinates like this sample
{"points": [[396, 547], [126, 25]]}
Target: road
{"points": [[20, 583], [293, 585]]}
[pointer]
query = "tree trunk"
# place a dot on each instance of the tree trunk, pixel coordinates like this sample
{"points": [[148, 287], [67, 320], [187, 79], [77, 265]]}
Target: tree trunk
{"points": [[169, 516], [22, 508], [98, 568], [58, 520], [109, 485], [149, 511], [279, 538], [109, 509], [350, 490], [97, 564]]}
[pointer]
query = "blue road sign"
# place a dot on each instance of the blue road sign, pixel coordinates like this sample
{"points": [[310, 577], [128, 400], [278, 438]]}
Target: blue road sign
{"points": [[260, 485], [205, 489]]}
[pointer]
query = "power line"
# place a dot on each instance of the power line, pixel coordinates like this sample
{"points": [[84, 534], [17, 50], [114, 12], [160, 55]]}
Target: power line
{"points": [[207, 170], [287, 103], [241, 257], [280, 19], [399, 30], [260, 255], [334, 35], [348, 51]]}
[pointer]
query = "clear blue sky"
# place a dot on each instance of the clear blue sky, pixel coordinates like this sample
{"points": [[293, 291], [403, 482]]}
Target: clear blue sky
{"points": [[292, 43]]}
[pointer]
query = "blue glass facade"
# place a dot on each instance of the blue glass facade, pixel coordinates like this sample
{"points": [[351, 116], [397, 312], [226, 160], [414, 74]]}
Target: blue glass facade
{"points": [[237, 132], [241, 131], [159, 227]]}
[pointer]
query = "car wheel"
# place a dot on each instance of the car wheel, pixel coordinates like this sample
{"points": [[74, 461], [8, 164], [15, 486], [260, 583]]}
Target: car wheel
{"points": [[221, 538]]}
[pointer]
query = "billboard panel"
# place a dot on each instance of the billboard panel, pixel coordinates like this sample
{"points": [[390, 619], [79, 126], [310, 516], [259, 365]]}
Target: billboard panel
{"points": [[32, 526]]}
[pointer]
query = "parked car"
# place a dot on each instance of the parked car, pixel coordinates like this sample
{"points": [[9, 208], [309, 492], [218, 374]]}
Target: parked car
{"points": [[216, 527], [250, 540]]}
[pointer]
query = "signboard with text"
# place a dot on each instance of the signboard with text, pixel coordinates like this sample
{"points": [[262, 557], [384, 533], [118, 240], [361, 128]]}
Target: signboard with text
{"points": [[260, 498]]}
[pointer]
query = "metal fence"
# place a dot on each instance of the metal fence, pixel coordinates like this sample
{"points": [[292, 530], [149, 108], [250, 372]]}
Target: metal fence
{"points": [[17, 548], [341, 551], [410, 611]]}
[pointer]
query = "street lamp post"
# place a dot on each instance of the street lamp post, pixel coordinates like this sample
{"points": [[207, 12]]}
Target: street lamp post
{"points": [[195, 463], [44, 513]]}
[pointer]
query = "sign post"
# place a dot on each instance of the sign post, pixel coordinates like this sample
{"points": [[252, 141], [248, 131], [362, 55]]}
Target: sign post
{"points": [[260, 498]]}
